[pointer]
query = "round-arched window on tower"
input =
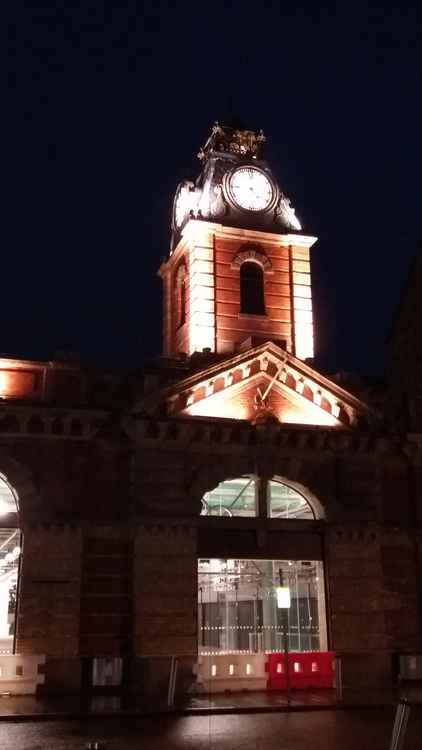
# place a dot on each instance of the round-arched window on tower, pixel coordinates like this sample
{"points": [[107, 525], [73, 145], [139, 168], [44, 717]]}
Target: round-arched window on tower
{"points": [[252, 298], [180, 295], [10, 550]]}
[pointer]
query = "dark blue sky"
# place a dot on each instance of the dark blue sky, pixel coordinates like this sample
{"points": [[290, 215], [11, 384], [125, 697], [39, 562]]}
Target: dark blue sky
{"points": [[108, 107]]}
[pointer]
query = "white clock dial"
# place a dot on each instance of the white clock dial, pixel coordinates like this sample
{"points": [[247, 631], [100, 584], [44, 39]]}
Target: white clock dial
{"points": [[251, 189], [180, 208]]}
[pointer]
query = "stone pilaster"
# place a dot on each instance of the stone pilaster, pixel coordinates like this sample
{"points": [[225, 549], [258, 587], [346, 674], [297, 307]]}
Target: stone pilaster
{"points": [[355, 586], [50, 584], [165, 591]]}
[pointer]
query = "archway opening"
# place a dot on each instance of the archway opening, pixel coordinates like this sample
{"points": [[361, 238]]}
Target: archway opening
{"points": [[10, 551], [243, 629], [238, 606]]}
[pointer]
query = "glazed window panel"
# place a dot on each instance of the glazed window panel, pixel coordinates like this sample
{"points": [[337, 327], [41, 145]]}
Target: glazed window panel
{"points": [[234, 497], [8, 502], [286, 502], [10, 550], [238, 611]]}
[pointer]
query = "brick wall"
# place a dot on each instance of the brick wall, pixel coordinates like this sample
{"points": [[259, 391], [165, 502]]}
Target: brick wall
{"points": [[50, 587], [106, 593], [165, 591], [233, 326]]}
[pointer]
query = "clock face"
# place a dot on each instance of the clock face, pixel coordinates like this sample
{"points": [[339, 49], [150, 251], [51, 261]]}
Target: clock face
{"points": [[251, 189], [180, 208]]}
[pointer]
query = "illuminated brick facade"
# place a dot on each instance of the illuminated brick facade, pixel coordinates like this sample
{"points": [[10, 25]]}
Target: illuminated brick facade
{"points": [[110, 469], [212, 255]]}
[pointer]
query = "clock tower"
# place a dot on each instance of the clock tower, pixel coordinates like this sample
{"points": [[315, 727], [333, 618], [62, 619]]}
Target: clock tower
{"points": [[238, 271]]}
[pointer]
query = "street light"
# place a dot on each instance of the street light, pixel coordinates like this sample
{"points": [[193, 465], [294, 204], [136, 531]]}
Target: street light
{"points": [[283, 597], [283, 603]]}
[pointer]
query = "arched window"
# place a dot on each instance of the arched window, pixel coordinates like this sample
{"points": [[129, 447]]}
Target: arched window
{"points": [[252, 299], [286, 502], [10, 549], [182, 302], [234, 497], [238, 599], [239, 497], [180, 293]]}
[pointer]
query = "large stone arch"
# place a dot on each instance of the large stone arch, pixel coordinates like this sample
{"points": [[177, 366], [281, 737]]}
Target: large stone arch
{"points": [[21, 482], [210, 473]]}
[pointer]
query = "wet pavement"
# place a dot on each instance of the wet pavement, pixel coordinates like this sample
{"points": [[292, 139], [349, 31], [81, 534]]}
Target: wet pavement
{"points": [[18, 708], [368, 729], [68, 706]]}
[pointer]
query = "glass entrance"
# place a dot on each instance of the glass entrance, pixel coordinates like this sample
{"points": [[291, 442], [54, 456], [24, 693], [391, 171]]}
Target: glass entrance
{"points": [[10, 550], [238, 612]]}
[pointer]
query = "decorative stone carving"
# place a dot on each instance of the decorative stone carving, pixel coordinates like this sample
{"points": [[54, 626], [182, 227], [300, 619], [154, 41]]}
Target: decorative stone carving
{"points": [[233, 141], [335, 409], [264, 362], [283, 375], [251, 252], [190, 398], [228, 379]]}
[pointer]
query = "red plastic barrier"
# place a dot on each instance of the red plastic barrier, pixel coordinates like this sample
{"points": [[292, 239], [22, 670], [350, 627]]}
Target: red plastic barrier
{"points": [[314, 669]]}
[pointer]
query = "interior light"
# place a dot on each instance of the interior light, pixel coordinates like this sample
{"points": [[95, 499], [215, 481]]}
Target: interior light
{"points": [[283, 597]]}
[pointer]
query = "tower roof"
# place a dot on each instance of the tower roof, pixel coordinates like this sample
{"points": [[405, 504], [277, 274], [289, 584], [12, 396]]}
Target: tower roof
{"points": [[236, 186], [233, 139]]}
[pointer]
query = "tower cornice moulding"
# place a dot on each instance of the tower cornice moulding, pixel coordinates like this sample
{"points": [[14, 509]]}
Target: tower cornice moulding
{"points": [[196, 229]]}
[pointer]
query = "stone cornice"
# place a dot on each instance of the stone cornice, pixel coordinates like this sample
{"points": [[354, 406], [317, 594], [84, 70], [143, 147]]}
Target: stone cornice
{"points": [[201, 434], [235, 523], [196, 228], [43, 421]]}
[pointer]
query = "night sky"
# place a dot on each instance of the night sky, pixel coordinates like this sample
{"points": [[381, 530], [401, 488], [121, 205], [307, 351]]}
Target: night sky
{"points": [[109, 105]]}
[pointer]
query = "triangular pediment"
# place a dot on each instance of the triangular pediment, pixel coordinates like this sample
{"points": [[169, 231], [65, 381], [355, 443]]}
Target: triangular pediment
{"points": [[265, 377]]}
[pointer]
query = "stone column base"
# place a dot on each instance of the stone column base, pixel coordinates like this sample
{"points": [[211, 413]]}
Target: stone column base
{"points": [[149, 676], [363, 670]]}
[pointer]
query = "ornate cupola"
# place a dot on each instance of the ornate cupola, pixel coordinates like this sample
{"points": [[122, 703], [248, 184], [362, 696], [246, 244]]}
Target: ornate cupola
{"points": [[238, 271], [236, 186]]}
